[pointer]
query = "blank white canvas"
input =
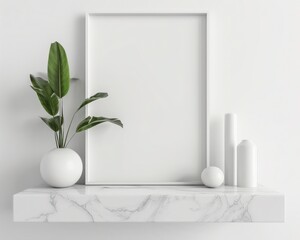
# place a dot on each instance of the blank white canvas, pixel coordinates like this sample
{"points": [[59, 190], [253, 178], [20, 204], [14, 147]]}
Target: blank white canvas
{"points": [[153, 67]]}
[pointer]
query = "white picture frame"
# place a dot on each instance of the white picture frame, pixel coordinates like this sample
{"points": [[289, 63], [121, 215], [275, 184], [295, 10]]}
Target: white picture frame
{"points": [[119, 61]]}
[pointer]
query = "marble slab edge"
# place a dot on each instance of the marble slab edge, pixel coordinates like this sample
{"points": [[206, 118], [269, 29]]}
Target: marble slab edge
{"points": [[148, 204]]}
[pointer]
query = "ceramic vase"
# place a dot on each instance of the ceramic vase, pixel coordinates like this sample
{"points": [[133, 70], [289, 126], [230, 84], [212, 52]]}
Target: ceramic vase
{"points": [[230, 149], [61, 167], [246, 164]]}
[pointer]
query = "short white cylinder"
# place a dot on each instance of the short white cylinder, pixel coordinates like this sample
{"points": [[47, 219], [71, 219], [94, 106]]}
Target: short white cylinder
{"points": [[230, 149], [246, 164]]}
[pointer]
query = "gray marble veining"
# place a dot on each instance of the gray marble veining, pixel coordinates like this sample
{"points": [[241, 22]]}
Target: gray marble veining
{"points": [[148, 204]]}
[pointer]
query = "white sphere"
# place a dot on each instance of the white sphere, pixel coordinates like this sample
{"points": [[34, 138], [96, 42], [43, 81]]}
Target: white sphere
{"points": [[61, 167], [212, 177]]}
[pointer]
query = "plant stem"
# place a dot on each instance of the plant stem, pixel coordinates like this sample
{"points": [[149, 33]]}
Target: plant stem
{"points": [[70, 139], [55, 137], [66, 137], [61, 136], [63, 125]]}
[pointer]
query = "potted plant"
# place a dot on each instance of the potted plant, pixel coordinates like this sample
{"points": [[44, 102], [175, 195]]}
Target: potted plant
{"points": [[62, 167]]}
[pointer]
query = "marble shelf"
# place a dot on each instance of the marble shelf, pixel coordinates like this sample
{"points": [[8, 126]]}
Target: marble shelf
{"points": [[148, 204]]}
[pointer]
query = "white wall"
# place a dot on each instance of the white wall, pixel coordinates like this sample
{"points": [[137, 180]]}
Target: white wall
{"points": [[255, 72]]}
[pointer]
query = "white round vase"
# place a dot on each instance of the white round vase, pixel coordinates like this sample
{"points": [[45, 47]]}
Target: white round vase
{"points": [[61, 167]]}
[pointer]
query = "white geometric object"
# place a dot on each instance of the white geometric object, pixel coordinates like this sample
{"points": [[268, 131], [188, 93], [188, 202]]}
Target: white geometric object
{"points": [[247, 164], [61, 167], [212, 177], [154, 68], [148, 204], [230, 149]]}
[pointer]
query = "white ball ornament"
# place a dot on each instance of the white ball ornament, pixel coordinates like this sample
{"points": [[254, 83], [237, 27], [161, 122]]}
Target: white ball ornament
{"points": [[212, 177]]}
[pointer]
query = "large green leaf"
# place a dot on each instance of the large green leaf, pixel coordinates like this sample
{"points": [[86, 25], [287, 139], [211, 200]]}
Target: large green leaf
{"points": [[58, 70], [54, 123], [37, 90], [45, 94], [42, 84], [90, 122], [93, 98]]}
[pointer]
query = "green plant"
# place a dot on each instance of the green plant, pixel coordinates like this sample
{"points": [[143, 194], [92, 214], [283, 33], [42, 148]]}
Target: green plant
{"points": [[51, 93]]}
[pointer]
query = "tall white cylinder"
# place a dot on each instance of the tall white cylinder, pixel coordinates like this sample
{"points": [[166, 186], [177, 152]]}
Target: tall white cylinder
{"points": [[230, 149], [246, 164]]}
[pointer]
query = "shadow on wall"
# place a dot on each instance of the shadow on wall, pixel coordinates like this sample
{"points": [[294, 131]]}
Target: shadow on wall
{"points": [[77, 88], [33, 134], [77, 93], [36, 131], [216, 141]]}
